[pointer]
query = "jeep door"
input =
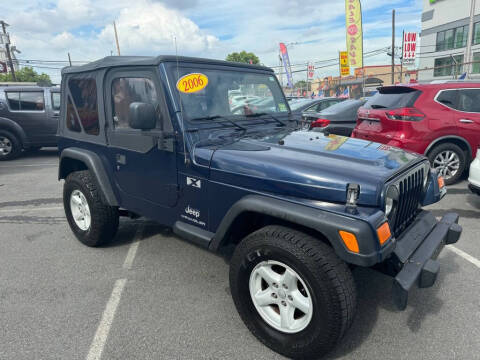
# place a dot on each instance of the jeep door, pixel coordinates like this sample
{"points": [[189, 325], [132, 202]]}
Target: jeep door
{"points": [[143, 161]]}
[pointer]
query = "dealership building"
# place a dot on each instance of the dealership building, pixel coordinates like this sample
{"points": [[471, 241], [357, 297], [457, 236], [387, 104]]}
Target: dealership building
{"points": [[444, 51]]}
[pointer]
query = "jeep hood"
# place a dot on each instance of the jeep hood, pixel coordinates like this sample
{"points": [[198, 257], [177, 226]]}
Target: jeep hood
{"points": [[309, 165]]}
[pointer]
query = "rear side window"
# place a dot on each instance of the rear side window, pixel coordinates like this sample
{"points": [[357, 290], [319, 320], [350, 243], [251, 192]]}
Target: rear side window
{"points": [[26, 101], [393, 98], [448, 98], [83, 104]]}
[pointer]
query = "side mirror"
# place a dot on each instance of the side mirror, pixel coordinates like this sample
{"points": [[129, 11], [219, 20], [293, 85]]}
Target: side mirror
{"points": [[142, 116]]}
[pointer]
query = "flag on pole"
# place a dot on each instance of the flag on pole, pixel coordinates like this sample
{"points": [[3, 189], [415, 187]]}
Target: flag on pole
{"points": [[353, 22]]}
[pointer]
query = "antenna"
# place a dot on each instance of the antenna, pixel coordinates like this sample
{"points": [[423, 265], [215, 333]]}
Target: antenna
{"points": [[181, 107]]}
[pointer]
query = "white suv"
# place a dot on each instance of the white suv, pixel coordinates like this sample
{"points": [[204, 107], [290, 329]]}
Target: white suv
{"points": [[474, 178]]}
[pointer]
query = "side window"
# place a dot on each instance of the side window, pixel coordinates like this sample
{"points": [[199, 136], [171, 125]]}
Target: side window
{"points": [[128, 90], [84, 97], [26, 101], [312, 108], [469, 100], [13, 99], [56, 101], [448, 98], [32, 101]]}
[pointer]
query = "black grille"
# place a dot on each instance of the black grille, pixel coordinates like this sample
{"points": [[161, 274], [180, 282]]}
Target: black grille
{"points": [[410, 189]]}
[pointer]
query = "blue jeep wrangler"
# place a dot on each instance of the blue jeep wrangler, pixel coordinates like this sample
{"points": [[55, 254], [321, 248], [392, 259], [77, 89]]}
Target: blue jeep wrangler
{"points": [[209, 148]]}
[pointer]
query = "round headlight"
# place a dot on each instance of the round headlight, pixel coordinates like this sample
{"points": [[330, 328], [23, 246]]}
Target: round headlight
{"points": [[391, 200], [388, 206]]}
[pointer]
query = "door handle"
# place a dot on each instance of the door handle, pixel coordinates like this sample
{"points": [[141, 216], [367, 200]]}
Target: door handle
{"points": [[466, 121]]}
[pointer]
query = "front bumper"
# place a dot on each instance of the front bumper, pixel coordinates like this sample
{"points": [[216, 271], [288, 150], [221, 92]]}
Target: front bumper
{"points": [[416, 252]]}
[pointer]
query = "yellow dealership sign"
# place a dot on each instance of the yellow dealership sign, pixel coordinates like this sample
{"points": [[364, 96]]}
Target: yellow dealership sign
{"points": [[344, 65], [353, 20]]}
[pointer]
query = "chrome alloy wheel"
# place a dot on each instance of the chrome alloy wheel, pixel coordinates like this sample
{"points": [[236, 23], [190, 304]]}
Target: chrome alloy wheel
{"points": [[446, 163], [5, 146], [80, 210], [280, 296]]}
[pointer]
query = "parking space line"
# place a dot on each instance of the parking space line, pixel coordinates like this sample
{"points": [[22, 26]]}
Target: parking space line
{"points": [[103, 329], [132, 251], [466, 256], [26, 165], [32, 209]]}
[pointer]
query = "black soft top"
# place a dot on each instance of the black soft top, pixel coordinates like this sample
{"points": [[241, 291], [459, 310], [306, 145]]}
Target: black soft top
{"points": [[113, 61]]}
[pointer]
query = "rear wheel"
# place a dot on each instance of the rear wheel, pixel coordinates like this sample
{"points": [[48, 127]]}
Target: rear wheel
{"points": [[10, 146], [449, 161], [291, 290], [93, 222]]}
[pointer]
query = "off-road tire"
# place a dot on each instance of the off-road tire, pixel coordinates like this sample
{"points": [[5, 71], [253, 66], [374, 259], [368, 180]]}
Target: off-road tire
{"points": [[104, 218], [327, 277], [460, 153], [16, 146]]}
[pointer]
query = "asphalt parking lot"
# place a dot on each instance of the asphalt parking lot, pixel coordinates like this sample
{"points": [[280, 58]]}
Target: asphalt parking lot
{"points": [[149, 295]]}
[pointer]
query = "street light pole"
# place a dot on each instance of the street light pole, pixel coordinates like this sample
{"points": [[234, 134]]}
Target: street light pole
{"points": [[468, 52], [393, 47], [7, 48]]}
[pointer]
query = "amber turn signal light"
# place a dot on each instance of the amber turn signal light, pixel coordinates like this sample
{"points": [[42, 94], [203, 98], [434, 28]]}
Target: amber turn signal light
{"points": [[383, 233], [441, 182], [350, 241]]}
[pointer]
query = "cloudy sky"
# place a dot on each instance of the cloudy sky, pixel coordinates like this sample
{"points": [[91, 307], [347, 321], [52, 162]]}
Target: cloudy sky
{"points": [[48, 30]]}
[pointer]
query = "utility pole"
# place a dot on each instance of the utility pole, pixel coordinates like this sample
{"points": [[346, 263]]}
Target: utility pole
{"points": [[116, 37], [393, 47], [69, 59], [7, 48], [468, 53]]}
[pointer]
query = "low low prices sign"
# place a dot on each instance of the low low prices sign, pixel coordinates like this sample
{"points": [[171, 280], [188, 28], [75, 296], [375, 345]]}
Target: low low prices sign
{"points": [[409, 46], [3, 67], [310, 71]]}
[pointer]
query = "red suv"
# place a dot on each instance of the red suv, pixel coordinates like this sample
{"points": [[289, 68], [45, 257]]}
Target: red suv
{"points": [[441, 121]]}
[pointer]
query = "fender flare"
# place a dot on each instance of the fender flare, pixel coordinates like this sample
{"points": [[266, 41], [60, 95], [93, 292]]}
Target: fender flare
{"points": [[93, 162], [322, 221], [14, 128], [446, 137]]}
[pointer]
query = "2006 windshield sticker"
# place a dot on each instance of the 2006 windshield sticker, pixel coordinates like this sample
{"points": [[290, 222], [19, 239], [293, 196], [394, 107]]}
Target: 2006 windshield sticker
{"points": [[192, 83]]}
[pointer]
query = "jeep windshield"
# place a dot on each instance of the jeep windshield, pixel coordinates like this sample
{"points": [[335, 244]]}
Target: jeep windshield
{"points": [[227, 95]]}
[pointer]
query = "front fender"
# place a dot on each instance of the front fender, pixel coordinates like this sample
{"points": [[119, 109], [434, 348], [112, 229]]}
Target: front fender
{"points": [[326, 222]]}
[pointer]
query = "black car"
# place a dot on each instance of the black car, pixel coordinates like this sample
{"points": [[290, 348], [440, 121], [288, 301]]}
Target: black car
{"points": [[28, 119], [312, 105], [339, 119]]}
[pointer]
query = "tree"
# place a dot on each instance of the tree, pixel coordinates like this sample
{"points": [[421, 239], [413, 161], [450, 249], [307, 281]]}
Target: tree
{"points": [[302, 84], [27, 74], [243, 57]]}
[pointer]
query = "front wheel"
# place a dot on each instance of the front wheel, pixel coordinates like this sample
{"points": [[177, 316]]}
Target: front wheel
{"points": [[292, 291], [10, 146], [93, 222]]}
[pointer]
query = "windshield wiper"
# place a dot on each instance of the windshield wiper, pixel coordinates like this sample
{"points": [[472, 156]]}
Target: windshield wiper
{"points": [[213, 117], [264, 113]]}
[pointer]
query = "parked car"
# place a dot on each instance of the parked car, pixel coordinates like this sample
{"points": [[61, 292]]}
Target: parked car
{"points": [[313, 105], [28, 119], [441, 121], [474, 176], [339, 119], [290, 211]]}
